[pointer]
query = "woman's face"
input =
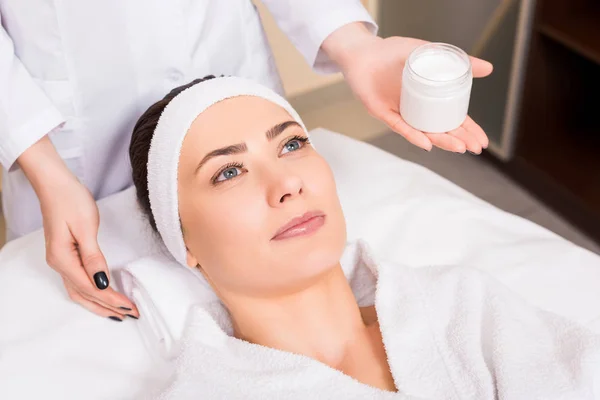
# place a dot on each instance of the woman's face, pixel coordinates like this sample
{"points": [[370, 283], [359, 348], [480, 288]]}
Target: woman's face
{"points": [[246, 173]]}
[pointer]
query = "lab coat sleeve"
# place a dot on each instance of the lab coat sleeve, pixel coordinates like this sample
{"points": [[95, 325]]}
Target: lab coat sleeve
{"points": [[26, 113], [307, 23]]}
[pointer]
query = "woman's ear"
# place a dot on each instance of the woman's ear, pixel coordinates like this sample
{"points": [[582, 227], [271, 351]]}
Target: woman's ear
{"points": [[191, 260]]}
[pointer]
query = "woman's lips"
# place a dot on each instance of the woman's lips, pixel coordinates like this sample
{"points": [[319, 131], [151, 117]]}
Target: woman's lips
{"points": [[304, 225]]}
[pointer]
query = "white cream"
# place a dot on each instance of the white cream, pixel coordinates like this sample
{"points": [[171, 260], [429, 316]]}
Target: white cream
{"points": [[439, 66], [436, 88]]}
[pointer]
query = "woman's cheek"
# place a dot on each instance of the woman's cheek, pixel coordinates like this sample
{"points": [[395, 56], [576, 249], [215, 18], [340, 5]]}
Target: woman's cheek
{"points": [[322, 176], [242, 218]]}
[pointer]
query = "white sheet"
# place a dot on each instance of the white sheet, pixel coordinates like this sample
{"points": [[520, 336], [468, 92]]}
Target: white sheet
{"points": [[53, 349]]}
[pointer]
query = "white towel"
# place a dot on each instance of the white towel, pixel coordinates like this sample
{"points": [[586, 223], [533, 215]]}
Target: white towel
{"points": [[164, 291], [449, 333]]}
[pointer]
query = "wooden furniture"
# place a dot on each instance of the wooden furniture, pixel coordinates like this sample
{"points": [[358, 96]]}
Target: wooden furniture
{"points": [[557, 145]]}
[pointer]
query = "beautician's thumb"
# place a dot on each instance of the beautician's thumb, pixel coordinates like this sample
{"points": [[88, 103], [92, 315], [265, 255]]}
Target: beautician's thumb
{"points": [[93, 261]]}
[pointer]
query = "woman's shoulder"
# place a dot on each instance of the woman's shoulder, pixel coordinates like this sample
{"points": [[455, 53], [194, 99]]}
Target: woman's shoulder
{"points": [[441, 284], [446, 286]]}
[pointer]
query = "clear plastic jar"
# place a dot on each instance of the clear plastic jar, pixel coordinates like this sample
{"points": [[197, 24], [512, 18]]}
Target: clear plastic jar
{"points": [[436, 88]]}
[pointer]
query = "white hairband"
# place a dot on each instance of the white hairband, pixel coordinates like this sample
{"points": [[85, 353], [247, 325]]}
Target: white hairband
{"points": [[165, 147]]}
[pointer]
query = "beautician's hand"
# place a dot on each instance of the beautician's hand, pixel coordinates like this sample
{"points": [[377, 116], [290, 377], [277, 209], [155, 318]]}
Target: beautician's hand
{"points": [[373, 68], [71, 222]]}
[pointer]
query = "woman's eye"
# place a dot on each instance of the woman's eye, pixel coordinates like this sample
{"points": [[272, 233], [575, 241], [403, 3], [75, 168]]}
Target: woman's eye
{"points": [[228, 173], [292, 145]]}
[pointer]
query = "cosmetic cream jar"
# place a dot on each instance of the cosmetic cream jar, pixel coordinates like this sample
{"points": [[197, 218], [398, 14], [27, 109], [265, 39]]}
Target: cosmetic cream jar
{"points": [[436, 88]]}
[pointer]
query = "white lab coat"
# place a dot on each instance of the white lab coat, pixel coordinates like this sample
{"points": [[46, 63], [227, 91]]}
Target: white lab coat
{"points": [[84, 71]]}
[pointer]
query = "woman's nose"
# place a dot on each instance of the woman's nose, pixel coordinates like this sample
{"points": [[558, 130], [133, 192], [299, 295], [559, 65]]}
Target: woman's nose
{"points": [[285, 187]]}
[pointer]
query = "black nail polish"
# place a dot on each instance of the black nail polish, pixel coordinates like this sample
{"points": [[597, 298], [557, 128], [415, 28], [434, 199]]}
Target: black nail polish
{"points": [[132, 316], [115, 318], [101, 280], [125, 308]]}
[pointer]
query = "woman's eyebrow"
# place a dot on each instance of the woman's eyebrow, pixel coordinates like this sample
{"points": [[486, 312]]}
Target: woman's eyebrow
{"points": [[279, 128], [223, 151], [271, 134]]}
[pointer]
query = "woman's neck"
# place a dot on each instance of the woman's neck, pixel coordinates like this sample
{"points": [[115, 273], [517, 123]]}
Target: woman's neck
{"points": [[322, 321]]}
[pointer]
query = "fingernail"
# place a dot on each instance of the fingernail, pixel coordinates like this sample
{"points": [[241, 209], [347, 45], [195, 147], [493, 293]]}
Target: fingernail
{"points": [[101, 280], [125, 308], [115, 318], [475, 154], [132, 316]]}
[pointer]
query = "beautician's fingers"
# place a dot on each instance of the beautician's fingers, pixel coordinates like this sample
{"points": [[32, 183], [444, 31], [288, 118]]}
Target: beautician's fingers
{"points": [[447, 142], [78, 277], [90, 305], [109, 296], [475, 130], [468, 138], [398, 125], [62, 255], [96, 268], [123, 311], [109, 293], [91, 257], [119, 312], [481, 68]]}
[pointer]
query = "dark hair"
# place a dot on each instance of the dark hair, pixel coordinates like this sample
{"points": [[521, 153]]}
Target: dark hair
{"points": [[140, 146]]}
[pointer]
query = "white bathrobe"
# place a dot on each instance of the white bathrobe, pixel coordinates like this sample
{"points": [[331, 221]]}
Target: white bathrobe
{"points": [[449, 333]]}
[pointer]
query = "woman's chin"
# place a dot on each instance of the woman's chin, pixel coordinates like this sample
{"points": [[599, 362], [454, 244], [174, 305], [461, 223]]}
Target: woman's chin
{"points": [[315, 256]]}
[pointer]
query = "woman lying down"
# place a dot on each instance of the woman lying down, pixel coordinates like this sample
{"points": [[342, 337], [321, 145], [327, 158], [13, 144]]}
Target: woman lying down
{"points": [[226, 173]]}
